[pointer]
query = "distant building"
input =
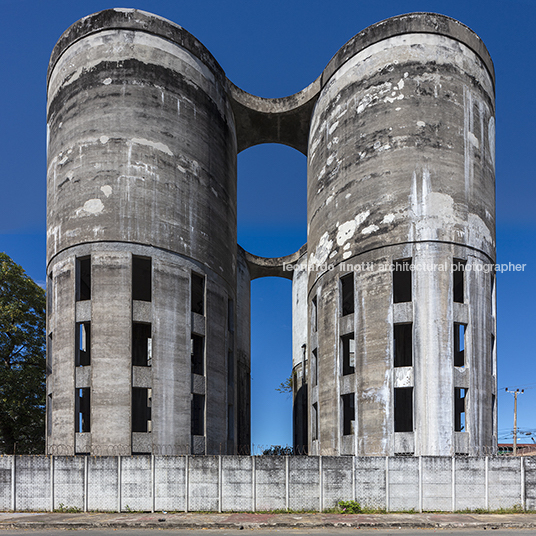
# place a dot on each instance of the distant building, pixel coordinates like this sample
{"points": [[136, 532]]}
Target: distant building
{"points": [[148, 313]]}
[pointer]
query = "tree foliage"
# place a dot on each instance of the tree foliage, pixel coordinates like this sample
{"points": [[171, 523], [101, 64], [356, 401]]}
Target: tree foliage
{"points": [[22, 361]]}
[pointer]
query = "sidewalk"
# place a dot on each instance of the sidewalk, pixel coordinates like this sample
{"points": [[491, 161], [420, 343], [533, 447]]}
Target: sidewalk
{"points": [[46, 520]]}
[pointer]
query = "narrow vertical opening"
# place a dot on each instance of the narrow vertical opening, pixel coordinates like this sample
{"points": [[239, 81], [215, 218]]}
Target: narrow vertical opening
{"points": [[314, 315], [348, 354], [230, 422], [314, 367], [141, 409], [49, 355], [402, 281], [314, 423], [348, 414], [142, 344], [82, 408], [459, 345], [83, 344], [198, 415], [198, 354], [492, 353], [230, 315], [403, 345], [198, 294], [49, 414], [403, 406], [141, 279], [347, 294], [458, 271], [459, 408], [49, 293], [230, 368], [83, 278]]}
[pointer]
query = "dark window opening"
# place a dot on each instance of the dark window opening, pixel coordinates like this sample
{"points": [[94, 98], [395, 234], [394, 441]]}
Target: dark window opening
{"points": [[82, 408], [230, 315], [198, 294], [348, 414], [198, 415], [49, 414], [141, 409], [403, 345], [459, 345], [142, 345], [492, 353], [230, 422], [83, 279], [49, 355], [198, 354], [347, 294], [314, 315], [459, 409], [141, 279], [314, 419], [49, 293], [348, 354], [230, 368], [402, 281], [314, 367], [458, 269], [83, 344], [403, 401]]}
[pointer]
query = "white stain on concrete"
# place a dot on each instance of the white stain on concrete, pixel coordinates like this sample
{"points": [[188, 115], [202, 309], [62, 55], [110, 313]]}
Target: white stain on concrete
{"points": [[421, 124], [345, 232], [93, 206], [322, 250], [107, 81], [473, 139], [104, 139], [106, 190], [388, 218], [154, 144], [346, 255], [491, 138], [370, 229]]}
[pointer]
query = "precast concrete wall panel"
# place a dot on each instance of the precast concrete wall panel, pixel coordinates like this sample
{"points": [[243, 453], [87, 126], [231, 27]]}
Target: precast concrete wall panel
{"points": [[530, 483], [32, 483], [403, 486], [237, 483], [336, 480], [504, 482], [69, 481], [304, 482], [470, 483], [203, 483], [270, 487], [436, 478], [103, 480], [370, 488], [136, 483], [6, 465], [170, 483]]}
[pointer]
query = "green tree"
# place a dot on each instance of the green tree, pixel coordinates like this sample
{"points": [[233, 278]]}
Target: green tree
{"points": [[22, 361]]}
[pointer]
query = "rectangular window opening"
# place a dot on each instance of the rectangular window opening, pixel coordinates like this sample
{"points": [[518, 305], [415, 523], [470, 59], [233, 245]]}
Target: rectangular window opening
{"points": [[403, 345], [82, 408], [198, 294], [492, 354], [459, 345], [83, 344], [49, 355], [348, 414], [314, 419], [141, 278], [83, 278], [230, 315], [198, 415], [403, 402], [141, 409], [348, 354], [230, 422], [347, 294], [459, 409], [314, 315], [402, 281], [458, 270], [230, 368], [142, 344], [314, 367], [49, 414], [198, 354]]}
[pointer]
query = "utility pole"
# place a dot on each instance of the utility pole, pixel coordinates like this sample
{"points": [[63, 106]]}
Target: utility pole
{"points": [[515, 393]]}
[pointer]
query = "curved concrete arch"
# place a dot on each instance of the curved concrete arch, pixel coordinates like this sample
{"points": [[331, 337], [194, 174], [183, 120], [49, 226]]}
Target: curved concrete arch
{"points": [[274, 266]]}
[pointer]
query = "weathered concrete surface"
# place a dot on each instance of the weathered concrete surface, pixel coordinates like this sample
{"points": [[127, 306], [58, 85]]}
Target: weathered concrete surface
{"points": [[144, 129]]}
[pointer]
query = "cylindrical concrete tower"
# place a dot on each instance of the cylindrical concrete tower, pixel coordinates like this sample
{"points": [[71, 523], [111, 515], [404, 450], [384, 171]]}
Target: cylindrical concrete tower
{"points": [[401, 174], [141, 250]]}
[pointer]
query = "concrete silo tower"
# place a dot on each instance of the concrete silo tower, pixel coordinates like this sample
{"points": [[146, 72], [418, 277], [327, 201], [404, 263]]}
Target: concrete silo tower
{"points": [[141, 252], [401, 174]]}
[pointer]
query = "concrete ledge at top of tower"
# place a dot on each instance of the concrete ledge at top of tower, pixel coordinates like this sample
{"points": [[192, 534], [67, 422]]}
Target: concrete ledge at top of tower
{"points": [[274, 266], [134, 19]]}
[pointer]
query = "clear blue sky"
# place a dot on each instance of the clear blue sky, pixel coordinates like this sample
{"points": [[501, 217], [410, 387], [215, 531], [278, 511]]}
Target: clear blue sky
{"points": [[274, 48]]}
